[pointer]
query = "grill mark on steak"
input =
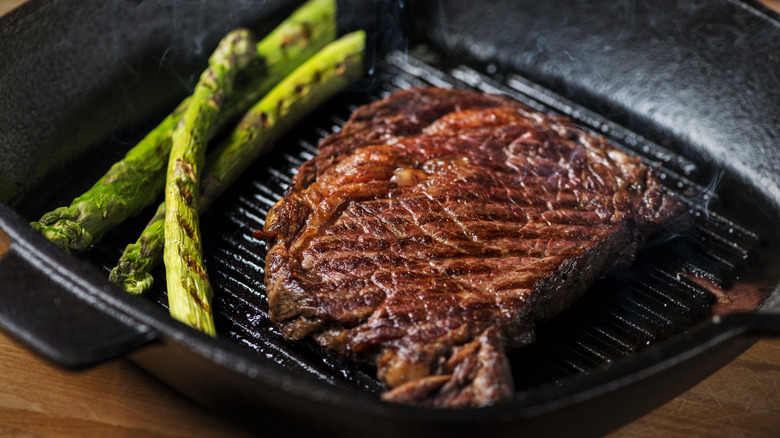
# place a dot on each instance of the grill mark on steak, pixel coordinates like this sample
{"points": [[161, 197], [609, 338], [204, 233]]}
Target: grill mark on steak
{"points": [[439, 225]]}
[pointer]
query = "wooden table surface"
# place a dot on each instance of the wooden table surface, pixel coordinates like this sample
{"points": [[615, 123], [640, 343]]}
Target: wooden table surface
{"points": [[118, 399]]}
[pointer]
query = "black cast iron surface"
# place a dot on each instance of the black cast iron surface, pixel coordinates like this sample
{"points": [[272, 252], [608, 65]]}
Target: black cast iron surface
{"points": [[639, 338], [623, 314]]}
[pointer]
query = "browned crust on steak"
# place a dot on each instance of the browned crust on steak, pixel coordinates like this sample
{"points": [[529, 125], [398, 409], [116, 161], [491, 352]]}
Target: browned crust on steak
{"points": [[439, 225]]}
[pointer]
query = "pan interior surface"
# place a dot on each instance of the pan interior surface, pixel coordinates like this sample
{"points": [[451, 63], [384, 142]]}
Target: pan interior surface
{"points": [[668, 291]]}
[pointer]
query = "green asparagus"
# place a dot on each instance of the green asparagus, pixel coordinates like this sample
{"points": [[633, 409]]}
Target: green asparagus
{"points": [[133, 271], [136, 181], [333, 68], [317, 80], [189, 291]]}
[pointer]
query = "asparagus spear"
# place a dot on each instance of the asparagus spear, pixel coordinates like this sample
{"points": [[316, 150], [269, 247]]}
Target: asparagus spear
{"points": [[133, 271], [189, 292], [317, 80], [133, 183]]}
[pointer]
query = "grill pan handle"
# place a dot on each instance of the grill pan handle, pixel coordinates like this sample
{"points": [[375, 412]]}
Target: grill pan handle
{"points": [[67, 316]]}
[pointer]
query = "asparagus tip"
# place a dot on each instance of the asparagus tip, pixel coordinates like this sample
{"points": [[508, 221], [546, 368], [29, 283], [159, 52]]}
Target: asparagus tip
{"points": [[65, 233], [136, 284]]}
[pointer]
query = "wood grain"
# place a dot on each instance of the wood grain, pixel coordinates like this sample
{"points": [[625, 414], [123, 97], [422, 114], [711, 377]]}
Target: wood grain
{"points": [[741, 399], [5, 243], [118, 399], [7, 5], [773, 4]]}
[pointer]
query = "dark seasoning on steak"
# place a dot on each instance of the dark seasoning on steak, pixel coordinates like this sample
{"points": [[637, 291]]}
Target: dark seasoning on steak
{"points": [[436, 228]]}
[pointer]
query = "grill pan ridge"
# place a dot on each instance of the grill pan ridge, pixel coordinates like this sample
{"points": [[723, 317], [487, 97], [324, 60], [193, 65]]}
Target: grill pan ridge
{"points": [[649, 324]]}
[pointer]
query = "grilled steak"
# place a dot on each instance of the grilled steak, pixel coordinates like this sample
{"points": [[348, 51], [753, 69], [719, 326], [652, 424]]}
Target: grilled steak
{"points": [[435, 229]]}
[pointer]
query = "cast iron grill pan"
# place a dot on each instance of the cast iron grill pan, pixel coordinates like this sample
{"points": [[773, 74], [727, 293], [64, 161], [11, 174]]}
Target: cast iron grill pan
{"points": [[624, 313], [636, 340]]}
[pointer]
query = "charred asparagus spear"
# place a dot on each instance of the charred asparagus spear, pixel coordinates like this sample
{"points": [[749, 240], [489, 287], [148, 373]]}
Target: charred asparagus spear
{"points": [[189, 291], [133, 183], [317, 80]]}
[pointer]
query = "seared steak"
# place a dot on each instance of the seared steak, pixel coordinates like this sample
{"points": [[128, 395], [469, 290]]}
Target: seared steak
{"points": [[439, 225]]}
